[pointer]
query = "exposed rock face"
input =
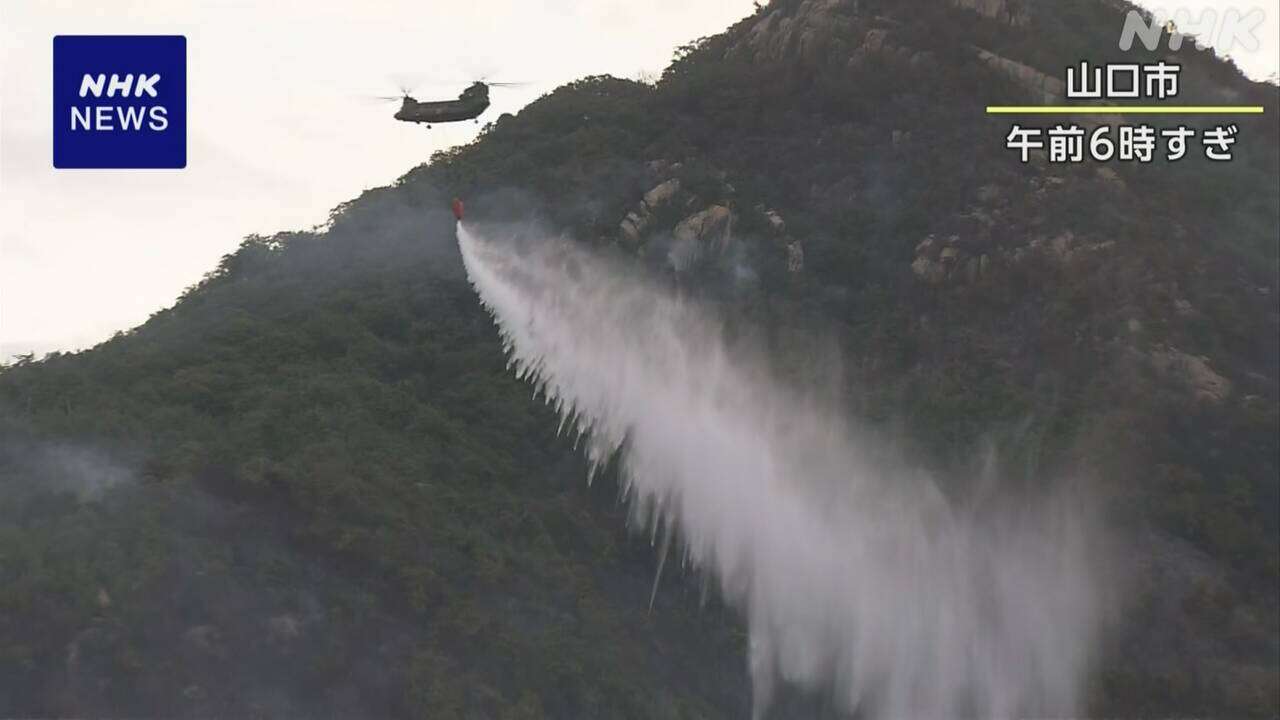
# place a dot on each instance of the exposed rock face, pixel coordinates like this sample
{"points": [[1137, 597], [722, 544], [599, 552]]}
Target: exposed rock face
{"points": [[880, 43], [820, 31], [708, 227], [1194, 371], [775, 222], [795, 257], [662, 194], [937, 261], [703, 233], [928, 270], [1013, 12], [1044, 88], [637, 221], [633, 226], [807, 33], [1063, 248], [793, 247]]}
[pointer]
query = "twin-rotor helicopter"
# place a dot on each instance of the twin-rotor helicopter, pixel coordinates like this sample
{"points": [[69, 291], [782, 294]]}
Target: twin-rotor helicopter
{"points": [[468, 106]]}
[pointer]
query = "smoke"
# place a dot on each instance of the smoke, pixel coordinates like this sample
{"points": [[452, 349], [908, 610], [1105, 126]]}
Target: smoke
{"points": [[856, 576], [28, 465]]}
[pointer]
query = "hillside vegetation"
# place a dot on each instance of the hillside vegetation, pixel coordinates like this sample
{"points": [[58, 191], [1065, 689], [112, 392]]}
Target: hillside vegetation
{"points": [[312, 487]]}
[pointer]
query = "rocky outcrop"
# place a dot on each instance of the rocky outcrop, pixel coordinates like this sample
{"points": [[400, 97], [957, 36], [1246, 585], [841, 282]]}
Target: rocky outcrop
{"points": [[880, 43], [633, 226], [795, 257], [662, 194], [1044, 88], [807, 33], [776, 223], [820, 32], [710, 228], [793, 247], [1193, 371], [941, 260], [824, 31], [637, 220], [703, 233], [1063, 248]]}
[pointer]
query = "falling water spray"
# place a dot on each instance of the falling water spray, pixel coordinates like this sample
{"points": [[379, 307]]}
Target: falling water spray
{"points": [[856, 577]]}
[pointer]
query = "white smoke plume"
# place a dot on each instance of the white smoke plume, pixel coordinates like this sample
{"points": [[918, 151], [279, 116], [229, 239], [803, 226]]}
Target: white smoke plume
{"points": [[856, 576]]}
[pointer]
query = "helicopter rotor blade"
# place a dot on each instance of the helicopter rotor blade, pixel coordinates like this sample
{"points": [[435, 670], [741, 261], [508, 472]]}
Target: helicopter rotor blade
{"points": [[378, 99]]}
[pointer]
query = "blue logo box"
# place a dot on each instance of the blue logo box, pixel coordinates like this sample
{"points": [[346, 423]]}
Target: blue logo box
{"points": [[119, 101]]}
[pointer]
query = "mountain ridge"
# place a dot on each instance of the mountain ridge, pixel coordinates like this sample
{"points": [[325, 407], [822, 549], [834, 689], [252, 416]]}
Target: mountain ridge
{"points": [[1117, 322]]}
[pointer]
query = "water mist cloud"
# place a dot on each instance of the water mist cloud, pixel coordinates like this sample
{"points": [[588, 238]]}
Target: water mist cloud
{"points": [[856, 576]]}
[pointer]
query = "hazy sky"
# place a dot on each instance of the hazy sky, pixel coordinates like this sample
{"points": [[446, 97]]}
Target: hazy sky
{"points": [[279, 132]]}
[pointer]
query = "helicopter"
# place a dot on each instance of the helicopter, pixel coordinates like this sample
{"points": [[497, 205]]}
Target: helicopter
{"points": [[468, 106]]}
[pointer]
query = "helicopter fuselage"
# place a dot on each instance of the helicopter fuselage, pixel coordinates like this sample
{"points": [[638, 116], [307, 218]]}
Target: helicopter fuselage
{"points": [[473, 101]]}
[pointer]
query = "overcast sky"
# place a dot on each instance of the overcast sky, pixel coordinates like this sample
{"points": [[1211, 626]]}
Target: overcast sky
{"points": [[279, 130]]}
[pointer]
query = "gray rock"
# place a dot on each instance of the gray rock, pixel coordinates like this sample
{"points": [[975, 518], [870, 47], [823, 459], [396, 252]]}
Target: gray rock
{"points": [[633, 226], [710, 226], [1044, 88], [775, 221], [795, 257], [1194, 371], [662, 194], [928, 270]]}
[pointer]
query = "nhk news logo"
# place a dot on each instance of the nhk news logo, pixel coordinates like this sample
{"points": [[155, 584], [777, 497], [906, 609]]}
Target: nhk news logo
{"points": [[119, 101]]}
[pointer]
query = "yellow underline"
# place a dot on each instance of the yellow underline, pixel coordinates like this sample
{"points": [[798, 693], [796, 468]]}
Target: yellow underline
{"points": [[1124, 109]]}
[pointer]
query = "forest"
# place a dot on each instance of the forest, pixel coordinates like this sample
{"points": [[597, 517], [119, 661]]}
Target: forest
{"points": [[312, 487]]}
